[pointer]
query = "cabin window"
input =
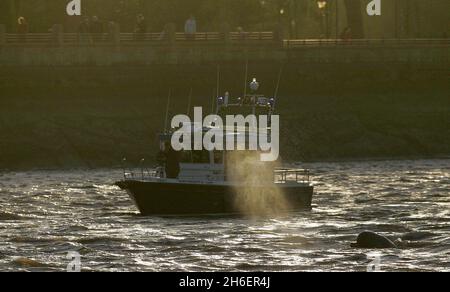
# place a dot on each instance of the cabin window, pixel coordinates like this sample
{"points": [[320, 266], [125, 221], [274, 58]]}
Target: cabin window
{"points": [[218, 157], [237, 157], [200, 156], [186, 156]]}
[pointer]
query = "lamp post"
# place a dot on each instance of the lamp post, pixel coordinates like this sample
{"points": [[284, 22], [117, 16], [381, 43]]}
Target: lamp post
{"points": [[295, 17], [263, 8], [281, 21], [323, 5], [336, 3]]}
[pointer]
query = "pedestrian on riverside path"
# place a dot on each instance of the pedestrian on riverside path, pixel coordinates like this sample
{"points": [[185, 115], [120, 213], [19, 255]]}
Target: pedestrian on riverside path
{"points": [[190, 28], [346, 35], [96, 29], [84, 32], [141, 27], [22, 28]]}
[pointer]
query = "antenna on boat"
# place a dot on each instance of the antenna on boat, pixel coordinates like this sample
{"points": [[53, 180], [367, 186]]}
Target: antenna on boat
{"points": [[218, 81], [167, 111], [246, 77], [124, 168], [277, 89], [213, 101], [189, 103]]}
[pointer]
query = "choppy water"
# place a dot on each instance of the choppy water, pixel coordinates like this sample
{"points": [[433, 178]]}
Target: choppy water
{"points": [[46, 214]]}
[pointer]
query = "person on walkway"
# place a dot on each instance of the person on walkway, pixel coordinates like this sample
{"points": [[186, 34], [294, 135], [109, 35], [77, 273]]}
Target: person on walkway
{"points": [[190, 28], [346, 35], [141, 27], [84, 32], [22, 28], [96, 29]]}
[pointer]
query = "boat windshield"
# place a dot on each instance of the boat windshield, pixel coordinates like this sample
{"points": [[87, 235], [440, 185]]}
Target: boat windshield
{"points": [[244, 110], [196, 157]]}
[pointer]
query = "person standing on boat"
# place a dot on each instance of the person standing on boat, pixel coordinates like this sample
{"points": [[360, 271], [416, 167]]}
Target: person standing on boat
{"points": [[172, 161], [226, 98], [190, 28]]}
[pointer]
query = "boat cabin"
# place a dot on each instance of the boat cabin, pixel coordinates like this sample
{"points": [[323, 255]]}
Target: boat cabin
{"points": [[202, 166]]}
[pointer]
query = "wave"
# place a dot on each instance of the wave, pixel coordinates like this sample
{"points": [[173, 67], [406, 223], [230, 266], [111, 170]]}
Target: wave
{"points": [[10, 217], [417, 236], [24, 239], [92, 240]]}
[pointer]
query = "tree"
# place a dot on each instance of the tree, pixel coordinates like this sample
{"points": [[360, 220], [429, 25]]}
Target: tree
{"points": [[12, 9], [354, 18]]}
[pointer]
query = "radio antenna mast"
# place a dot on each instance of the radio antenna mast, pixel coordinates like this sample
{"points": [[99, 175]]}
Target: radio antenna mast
{"points": [[213, 100], [277, 88], [167, 111], [189, 103], [246, 77], [218, 80]]}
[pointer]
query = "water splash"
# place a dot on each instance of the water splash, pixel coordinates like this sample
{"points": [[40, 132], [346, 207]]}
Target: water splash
{"points": [[255, 193]]}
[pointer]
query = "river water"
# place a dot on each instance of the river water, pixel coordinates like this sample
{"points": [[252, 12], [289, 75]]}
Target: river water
{"points": [[45, 215]]}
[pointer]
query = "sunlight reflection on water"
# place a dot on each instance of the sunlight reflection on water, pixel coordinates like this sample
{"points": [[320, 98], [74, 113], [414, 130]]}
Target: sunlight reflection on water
{"points": [[46, 214]]}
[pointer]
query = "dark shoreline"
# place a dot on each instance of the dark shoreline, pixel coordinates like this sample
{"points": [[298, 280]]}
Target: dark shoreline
{"points": [[93, 117], [331, 161], [98, 132]]}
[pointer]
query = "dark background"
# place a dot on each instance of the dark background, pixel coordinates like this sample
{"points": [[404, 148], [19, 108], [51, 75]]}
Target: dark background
{"points": [[75, 106]]}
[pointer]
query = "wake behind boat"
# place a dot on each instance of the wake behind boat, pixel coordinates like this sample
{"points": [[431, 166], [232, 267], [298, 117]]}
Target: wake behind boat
{"points": [[201, 182]]}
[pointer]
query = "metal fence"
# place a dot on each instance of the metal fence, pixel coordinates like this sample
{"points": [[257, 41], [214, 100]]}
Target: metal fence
{"points": [[74, 39], [305, 43], [285, 175], [257, 38]]}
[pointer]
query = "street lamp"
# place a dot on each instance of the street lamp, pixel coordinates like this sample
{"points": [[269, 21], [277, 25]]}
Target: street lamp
{"points": [[281, 22], [263, 8], [322, 4]]}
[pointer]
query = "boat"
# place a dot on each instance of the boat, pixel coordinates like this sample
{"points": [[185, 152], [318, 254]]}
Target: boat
{"points": [[219, 182]]}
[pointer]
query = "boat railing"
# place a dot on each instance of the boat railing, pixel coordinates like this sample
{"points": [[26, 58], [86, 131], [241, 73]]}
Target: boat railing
{"points": [[281, 175], [142, 174], [256, 100], [285, 175]]}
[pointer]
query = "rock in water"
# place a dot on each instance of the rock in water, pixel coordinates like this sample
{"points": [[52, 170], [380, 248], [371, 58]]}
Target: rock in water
{"points": [[9, 217], [28, 263], [370, 239]]}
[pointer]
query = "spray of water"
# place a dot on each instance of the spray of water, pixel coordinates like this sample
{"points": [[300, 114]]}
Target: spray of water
{"points": [[255, 193]]}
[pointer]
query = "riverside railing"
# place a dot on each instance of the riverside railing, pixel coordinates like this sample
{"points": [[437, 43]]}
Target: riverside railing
{"points": [[305, 43], [130, 39], [204, 38]]}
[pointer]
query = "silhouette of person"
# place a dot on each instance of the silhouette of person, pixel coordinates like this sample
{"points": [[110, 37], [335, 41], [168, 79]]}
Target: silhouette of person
{"points": [[22, 28], [172, 161], [190, 28]]}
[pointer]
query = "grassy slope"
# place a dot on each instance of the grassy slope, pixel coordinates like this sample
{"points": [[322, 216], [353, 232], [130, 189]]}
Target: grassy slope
{"points": [[61, 128], [93, 117]]}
